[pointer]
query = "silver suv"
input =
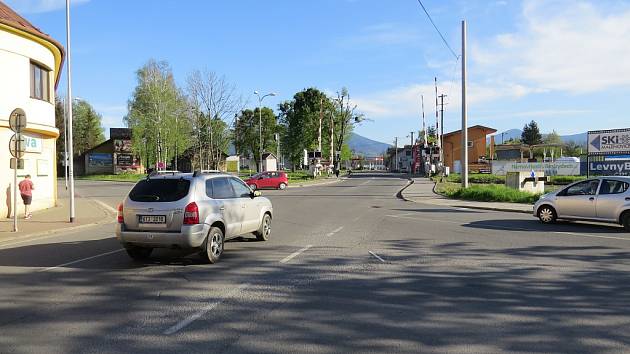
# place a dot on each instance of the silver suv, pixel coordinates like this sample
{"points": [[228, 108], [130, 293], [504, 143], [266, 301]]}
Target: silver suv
{"points": [[190, 211], [605, 199]]}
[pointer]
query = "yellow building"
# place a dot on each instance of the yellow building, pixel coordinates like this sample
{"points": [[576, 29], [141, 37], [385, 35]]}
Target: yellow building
{"points": [[30, 67]]}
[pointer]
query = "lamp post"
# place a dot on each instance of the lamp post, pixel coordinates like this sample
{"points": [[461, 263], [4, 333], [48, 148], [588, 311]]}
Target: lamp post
{"points": [[260, 99], [69, 104]]}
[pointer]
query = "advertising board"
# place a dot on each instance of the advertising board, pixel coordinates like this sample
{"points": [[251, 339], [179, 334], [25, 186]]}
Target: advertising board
{"points": [[609, 142], [550, 168], [610, 168]]}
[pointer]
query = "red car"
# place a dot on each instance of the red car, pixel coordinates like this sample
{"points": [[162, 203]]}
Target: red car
{"points": [[269, 179]]}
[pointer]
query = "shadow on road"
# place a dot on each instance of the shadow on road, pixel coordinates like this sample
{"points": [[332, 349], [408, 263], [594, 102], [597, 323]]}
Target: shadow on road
{"points": [[561, 226]]}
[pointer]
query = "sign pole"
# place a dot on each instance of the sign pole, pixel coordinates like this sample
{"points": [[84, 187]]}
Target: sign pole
{"points": [[69, 105], [15, 167]]}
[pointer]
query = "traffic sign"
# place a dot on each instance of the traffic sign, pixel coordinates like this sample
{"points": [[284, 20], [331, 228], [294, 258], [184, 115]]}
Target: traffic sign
{"points": [[17, 150], [17, 120], [20, 164]]}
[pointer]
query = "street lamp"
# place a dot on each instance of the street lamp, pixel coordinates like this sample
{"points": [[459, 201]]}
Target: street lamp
{"points": [[260, 99]]}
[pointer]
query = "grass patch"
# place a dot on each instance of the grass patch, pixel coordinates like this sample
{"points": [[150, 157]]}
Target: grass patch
{"points": [[123, 177], [487, 193], [562, 180]]}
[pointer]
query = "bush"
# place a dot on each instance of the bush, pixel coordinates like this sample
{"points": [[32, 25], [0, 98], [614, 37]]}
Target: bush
{"points": [[482, 178], [561, 180], [491, 193]]}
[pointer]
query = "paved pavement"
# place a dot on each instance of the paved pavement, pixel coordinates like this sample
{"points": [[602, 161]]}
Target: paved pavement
{"points": [[88, 212], [349, 268], [421, 191]]}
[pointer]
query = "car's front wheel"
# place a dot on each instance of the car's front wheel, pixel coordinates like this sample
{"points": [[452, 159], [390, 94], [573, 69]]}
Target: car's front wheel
{"points": [[214, 245], [547, 214], [282, 185], [139, 253], [265, 229]]}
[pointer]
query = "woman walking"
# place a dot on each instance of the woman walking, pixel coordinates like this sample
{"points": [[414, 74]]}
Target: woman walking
{"points": [[26, 191]]}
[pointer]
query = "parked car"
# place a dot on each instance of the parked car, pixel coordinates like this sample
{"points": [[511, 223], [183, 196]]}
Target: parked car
{"points": [[190, 211], [269, 179], [605, 199]]}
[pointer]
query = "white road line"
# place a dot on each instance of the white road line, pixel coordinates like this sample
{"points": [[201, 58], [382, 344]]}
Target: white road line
{"points": [[295, 254], [377, 256], [197, 315], [82, 260], [357, 218], [590, 235], [364, 183], [107, 207], [334, 231]]}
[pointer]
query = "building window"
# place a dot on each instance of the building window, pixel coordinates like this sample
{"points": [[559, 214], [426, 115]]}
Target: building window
{"points": [[40, 87]]}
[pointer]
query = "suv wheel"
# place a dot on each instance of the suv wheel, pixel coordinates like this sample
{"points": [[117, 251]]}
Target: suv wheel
{"points": [[213, 247], [626, 221], [265, 229], [139, 253], [282, 185], [547, 214]]}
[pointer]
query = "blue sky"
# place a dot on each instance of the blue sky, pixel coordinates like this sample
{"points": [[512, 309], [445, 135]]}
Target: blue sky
{"points": [[562, 63]]}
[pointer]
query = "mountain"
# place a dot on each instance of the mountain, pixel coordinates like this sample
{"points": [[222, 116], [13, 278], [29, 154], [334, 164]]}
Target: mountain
{"points": [[580, 138], [364, 146]]}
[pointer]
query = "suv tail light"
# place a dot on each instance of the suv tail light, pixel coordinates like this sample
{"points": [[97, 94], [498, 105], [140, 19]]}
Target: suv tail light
{"points": [[121, 218], [191, 214]]}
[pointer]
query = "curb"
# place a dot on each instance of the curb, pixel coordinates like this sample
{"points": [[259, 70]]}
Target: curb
{"points": [[479, 207]]}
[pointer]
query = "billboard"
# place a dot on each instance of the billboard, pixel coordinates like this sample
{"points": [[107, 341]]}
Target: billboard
{"points": [[610, 168], [568, 168], [100, 160], [609, 142]]}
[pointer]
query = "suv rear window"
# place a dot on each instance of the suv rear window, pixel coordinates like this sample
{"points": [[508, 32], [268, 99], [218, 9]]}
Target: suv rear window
{"points": [[160, 190]]}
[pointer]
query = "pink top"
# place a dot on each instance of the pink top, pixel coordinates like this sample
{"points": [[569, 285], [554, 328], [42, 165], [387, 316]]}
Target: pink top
{"points": [[26, 187]]}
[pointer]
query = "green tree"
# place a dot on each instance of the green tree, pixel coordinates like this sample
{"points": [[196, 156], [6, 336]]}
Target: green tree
{"points": [[300, 119], [346, 153], [346, 117], [553, 138], [86, 127], [59, 123], [531, 134], [157, 114], [247, 133]]}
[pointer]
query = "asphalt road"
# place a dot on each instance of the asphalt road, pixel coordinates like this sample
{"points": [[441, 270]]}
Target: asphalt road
{"points": [[349, 268]]}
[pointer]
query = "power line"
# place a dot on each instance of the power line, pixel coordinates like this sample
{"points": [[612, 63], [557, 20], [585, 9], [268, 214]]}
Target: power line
{"points": [[438, 30]]}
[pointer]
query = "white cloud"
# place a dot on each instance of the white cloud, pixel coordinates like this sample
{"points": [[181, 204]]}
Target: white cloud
{"points": [[39, 6], [565, 45], [405, 101]]}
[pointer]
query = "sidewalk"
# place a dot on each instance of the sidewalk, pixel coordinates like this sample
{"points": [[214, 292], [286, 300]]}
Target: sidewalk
{"points": [[56, 219], [421, 191]]}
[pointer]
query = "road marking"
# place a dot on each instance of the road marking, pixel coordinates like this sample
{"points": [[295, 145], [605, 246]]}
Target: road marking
{"points": [[107, 207], [295, 254], [334, 231], [364, 183], [197, 315], [82, 260], [590, 235], [357, 218], [377, 256]]}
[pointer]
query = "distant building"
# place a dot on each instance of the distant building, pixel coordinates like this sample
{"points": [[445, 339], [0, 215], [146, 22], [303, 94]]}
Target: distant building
{"points": [[270, 163], [452, 146], [30, 67], [113, 156]]}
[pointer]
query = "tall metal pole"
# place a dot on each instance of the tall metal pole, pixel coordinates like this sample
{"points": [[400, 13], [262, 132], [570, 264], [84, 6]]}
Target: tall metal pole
{"points": [[65, 143], [69, 105], [396, 149], [442, 128], [464, 112], [437, 120], [260, 150]]}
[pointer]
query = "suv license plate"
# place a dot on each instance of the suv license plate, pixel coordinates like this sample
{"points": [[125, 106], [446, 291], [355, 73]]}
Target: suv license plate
{"points": [[152, 219]]}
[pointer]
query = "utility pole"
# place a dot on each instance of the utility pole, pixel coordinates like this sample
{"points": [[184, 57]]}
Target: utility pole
{"points": [[464, 112], [442, 127], [321, 116], [437, 120], [69, 105], [396, 149], [332, 142], [411, 138]]}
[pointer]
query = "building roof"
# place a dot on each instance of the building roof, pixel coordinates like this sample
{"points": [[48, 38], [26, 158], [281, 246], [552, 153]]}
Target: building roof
{"points": [[10, 18], [267, 155], [488, 129]]}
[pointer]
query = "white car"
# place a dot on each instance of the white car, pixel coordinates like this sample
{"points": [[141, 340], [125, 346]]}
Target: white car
{"points": [[190, 211], [604, 199]]}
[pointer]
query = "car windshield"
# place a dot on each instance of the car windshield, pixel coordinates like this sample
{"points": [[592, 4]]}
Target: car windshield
{"points": [[160, 190]]}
